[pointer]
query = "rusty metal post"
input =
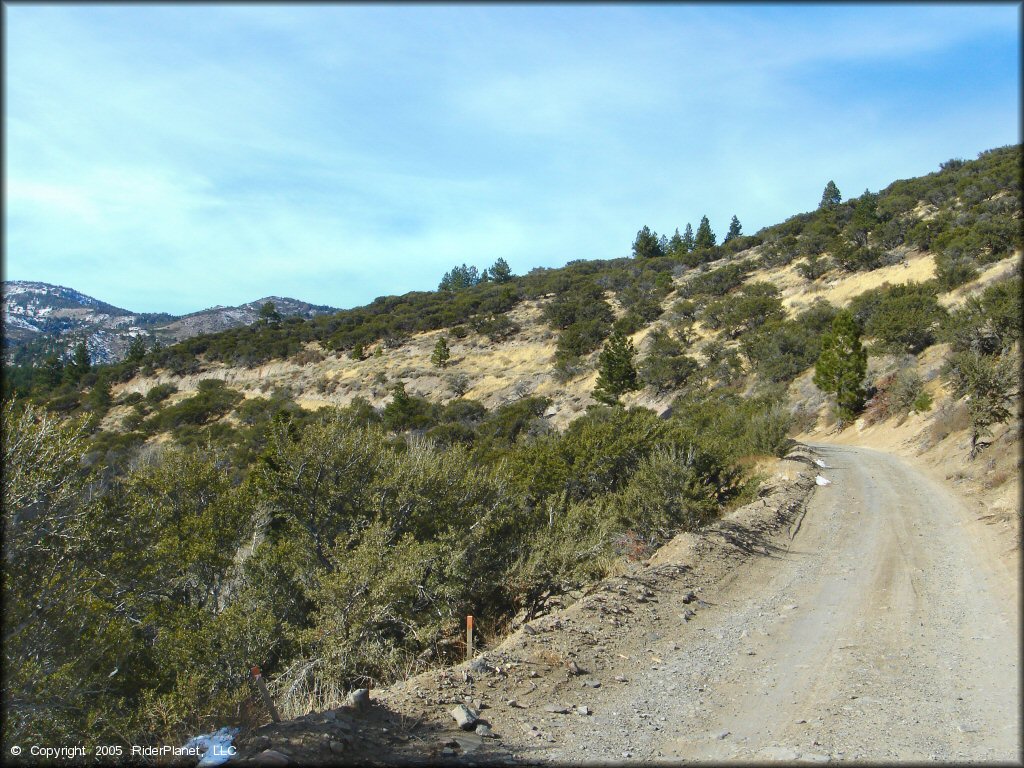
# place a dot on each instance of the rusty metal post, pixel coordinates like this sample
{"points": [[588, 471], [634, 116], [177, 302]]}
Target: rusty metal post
{"points": [[469, 638], [262, 687]]}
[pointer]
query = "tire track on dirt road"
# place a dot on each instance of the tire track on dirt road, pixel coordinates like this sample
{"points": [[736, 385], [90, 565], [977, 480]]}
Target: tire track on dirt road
{"points": [[882, 634]]}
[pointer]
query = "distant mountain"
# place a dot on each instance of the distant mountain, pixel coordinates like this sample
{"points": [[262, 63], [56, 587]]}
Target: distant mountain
{"points": [[40, 318], [222, 318]]}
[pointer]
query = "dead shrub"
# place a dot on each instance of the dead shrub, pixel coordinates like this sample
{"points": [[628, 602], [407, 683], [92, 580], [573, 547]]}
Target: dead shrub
{"points": [[307, 356], [951, 416], [997, 479], [548, 656], [633, 547], [326, 386], [804, 418]]}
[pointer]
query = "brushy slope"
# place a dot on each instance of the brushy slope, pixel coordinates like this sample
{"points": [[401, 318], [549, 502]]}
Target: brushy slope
{"points": [[322, 498]]}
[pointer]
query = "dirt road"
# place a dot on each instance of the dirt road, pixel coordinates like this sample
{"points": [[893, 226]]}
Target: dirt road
{"points": [[881, 634]]}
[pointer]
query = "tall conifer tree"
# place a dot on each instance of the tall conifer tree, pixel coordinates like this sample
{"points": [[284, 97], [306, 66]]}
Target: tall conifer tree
{"points": [[734, 229], [705, 237], [616, 369], [688, 241], [842, 366]]}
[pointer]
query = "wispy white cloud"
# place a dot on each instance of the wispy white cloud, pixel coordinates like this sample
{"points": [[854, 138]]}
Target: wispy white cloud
{"points": [[172, 157]]}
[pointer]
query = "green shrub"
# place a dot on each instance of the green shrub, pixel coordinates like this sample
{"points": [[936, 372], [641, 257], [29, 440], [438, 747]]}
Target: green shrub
{"points": [[853, 257], [160, 392], [731, 427], [751, 306], [581, 338], [923, 402], [814, 266], [953, 271], [717, 282], [779, 251], [212, 401], [666, 366], [497, 328], [898, 395], [780, 351], [989, 323], [902, 318], [407, 411], [991, 384]]}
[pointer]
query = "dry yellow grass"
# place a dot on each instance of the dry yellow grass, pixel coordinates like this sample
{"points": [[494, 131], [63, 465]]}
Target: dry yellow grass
{"points": [[994, 272], [839, 288], [496, 373]]}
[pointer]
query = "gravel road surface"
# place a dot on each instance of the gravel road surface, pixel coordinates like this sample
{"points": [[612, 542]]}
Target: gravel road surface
{"points": [[882, 633]]}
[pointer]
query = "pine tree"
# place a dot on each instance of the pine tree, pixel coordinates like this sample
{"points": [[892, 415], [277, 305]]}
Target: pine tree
{"points": [[842, 366], [501, 272], [734, 229], [399, 411], [830, 198], [646, 244], [50, 372], [99, 398], [79, 365], [616, 369], [864, 219], [357, 351], [136, 349], [705, 237], [675, 244], [441, 354], [269, 314], [459, 278], [688, 241], [80, 358]]}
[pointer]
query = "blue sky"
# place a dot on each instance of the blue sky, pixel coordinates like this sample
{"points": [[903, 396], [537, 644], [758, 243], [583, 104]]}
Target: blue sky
{"points": [[173, 157]]}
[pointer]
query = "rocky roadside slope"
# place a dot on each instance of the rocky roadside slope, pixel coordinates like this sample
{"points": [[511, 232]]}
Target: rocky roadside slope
{"points": [[515, 700]]}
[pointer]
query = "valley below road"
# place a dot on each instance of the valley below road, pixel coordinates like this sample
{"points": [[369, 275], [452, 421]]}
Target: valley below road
{"points": [[878, 622]]}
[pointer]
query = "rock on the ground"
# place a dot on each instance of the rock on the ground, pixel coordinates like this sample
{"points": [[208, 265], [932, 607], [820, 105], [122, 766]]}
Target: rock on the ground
{"points": [[271, 757], [358, 699], [778, 753], [465, 717]]}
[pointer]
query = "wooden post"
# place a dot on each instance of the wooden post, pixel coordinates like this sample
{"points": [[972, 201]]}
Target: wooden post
{"points": [[262, 686], [469, 637]]}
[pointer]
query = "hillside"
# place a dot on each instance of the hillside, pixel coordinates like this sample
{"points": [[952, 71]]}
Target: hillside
{"points": [[916, 240], [330, 497]]}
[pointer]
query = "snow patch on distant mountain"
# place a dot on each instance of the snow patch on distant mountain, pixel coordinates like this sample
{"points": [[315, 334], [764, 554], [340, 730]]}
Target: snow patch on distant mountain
{"points": [[35, 314]]}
